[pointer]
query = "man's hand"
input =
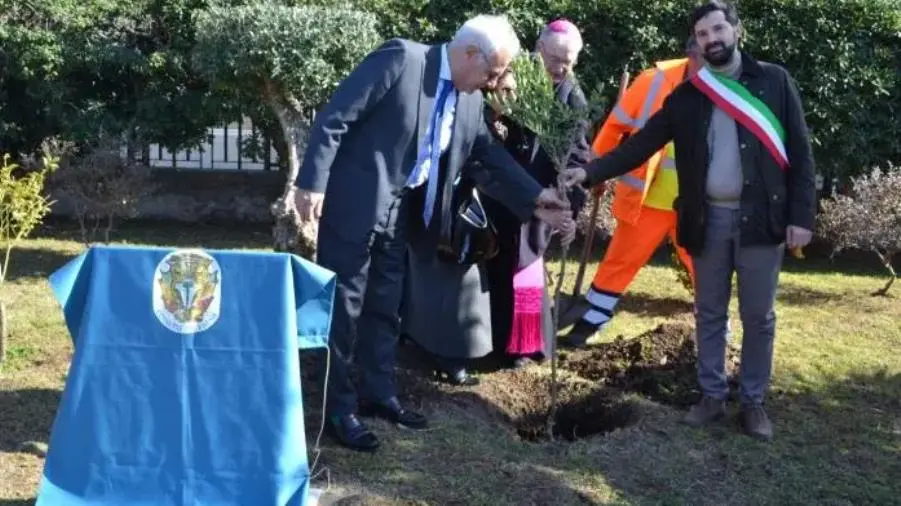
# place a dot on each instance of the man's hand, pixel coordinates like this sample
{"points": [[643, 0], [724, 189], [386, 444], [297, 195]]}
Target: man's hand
{"points": [[550, 199], [573, 177], [568, 232], [309, 205], [558, 219], [797, 237]]}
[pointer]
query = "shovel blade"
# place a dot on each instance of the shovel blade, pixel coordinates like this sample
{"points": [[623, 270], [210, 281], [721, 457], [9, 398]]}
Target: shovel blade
{"points": [[572, 307]]}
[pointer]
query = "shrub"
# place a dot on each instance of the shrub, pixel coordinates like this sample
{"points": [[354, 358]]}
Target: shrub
{"points": [[287, 60], [842, 53], [102, 186], [23, 206], [869, 218]]}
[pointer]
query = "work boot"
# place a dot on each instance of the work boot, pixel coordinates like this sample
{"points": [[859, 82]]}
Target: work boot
{"points": [[755, 423], [578, 335], [706, 411]]}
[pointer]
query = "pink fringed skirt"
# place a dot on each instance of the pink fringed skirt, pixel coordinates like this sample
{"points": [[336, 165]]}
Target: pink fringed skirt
{"points": [[526, 336]]}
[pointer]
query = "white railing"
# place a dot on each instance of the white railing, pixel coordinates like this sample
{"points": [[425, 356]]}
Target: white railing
{"points": [[221, 151]]}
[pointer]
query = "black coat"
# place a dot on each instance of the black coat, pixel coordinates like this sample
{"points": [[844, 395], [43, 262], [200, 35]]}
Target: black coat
{"points": [[771, 199], [458, 311], [521, 143]]}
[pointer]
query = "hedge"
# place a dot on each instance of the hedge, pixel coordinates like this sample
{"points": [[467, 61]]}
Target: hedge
{"points": [[844, 55]]}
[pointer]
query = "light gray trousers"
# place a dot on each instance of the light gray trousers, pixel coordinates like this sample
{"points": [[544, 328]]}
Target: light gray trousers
{"points": [[758, 274]]}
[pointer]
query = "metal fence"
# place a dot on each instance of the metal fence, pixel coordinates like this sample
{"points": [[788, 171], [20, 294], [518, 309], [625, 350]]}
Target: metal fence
{"points": [[221, 151]]}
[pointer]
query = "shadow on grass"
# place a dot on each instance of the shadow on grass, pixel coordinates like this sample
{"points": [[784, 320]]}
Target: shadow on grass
{"points": [[167, 233], [27, 416], [35, 261], [818, 258], [455, 461], [838, 442], [642, 304], [795, 295], [27, 262]]}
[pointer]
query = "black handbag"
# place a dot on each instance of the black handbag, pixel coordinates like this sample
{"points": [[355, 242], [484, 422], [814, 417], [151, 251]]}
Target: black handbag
{"points": [[471, 237]]}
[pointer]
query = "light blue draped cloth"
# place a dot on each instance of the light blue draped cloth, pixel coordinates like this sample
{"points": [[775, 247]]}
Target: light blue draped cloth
{"points": [[184, 388]]}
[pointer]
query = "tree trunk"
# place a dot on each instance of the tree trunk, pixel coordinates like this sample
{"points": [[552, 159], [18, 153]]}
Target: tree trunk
{"points": [[287, 224], [4, 331], [109, 227], [886, 260], [558, 301]]}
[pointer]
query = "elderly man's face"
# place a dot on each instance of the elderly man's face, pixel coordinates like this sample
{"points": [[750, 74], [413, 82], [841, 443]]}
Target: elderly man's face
{"points": [[504, 90], [559, 56], [480, 71]]}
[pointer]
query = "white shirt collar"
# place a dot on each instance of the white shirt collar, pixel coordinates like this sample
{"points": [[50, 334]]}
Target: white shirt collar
{"points": [[445, 72]]}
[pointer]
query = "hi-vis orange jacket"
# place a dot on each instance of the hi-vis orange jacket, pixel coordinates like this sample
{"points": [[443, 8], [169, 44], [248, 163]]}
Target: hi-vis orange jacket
{"points": [[639, 102]]}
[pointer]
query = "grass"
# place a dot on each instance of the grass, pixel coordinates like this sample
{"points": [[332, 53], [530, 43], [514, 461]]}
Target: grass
{"points": [[836, 403]]}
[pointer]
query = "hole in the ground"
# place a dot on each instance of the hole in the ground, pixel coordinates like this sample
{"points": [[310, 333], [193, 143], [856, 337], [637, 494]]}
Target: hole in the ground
{"points": [[522, 399], [659, 365], [599, 412]]}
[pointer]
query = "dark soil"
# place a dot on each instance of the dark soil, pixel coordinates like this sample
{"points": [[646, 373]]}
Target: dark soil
{"points": [[522, 400], [659, 365]]}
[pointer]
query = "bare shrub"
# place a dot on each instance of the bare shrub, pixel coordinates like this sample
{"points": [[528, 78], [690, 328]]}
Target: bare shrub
{"points": [[103, 187], [868, 218]]}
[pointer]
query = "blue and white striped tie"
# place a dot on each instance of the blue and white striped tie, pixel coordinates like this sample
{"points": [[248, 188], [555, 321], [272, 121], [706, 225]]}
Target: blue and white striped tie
{"points": [[447, 87]]}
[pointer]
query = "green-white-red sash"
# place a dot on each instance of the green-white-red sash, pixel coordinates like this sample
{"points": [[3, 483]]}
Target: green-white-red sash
{"points": [[739, 103]]}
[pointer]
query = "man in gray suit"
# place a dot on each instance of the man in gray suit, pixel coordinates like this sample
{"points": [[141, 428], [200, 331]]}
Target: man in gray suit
{"points": [[386, 149]]}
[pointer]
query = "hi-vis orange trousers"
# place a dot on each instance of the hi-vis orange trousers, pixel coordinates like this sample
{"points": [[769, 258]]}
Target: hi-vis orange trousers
{"points": [[630, 249]]}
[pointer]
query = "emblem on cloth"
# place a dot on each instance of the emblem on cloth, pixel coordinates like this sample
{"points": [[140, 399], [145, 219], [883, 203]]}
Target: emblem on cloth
{"points": [[187, 291]]}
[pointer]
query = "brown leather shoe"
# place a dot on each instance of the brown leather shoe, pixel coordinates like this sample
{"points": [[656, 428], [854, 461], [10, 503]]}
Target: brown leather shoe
{"points": [[755, 423], [706, 411]]}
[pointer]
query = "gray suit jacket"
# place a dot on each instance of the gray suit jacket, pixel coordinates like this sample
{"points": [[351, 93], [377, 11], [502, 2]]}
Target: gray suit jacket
{"points": [[363, 143]]}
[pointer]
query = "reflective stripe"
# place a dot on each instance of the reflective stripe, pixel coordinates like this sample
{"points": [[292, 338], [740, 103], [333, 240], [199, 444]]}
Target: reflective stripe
{"points": [[596, 317], [632, 181], [639, 122], [649, 99], [601, 300], [667, 163], [623, 117]]}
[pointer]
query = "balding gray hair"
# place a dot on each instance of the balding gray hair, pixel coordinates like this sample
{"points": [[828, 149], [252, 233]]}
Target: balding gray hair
{"points": [[489, 33]]}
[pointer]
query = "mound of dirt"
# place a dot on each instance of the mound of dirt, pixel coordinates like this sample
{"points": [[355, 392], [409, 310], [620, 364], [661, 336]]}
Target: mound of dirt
{"points": [[660, 364]]}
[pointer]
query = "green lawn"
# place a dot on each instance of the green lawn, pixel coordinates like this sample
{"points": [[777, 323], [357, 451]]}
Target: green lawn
{"points": [[836, 404]]}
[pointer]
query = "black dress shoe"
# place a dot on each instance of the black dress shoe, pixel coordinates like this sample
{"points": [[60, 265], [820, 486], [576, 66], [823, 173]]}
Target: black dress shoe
{"points": [[459, 377], [392, 411], [579, 334], [350, 432]]}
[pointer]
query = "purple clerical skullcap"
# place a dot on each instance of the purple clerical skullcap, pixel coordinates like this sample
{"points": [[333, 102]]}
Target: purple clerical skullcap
{"points": [[562, 26]]}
